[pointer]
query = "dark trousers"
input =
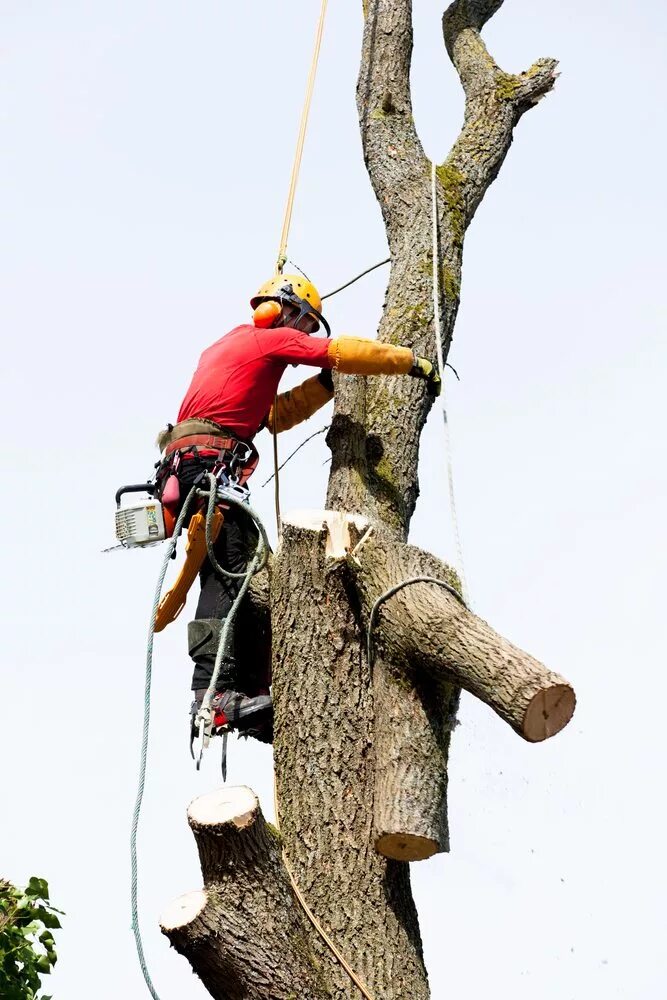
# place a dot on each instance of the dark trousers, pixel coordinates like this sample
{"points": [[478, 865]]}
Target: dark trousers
{"points": [[233, 550]]}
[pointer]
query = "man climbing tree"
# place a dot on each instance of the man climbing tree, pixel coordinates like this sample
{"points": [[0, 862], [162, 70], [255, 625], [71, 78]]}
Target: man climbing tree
{"points": [[370, 643], [231, 397]]}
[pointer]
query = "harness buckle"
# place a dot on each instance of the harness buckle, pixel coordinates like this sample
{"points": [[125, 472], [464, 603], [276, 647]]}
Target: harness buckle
{"points": [[232, 490]]}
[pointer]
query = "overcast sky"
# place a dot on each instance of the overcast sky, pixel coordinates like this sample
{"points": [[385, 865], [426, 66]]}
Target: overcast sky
{"points": [[146, 150]]}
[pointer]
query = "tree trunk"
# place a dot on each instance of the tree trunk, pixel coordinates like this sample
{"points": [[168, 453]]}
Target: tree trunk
{"points": [[363, 721]]}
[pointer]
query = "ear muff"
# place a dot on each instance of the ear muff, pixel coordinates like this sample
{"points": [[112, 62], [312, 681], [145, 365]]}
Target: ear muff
{"points": [[266, 314]]}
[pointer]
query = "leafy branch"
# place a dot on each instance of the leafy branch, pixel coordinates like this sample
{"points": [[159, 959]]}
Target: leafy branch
{"points": [[27, 945]]}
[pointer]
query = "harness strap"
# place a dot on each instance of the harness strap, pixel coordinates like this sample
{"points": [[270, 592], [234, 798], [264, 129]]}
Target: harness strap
{"points": [[211, 441], [223, 446], [173, 601]]}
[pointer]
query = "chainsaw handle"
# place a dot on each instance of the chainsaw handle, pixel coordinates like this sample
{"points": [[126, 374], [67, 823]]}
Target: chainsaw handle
{"points": [[135, 488]]}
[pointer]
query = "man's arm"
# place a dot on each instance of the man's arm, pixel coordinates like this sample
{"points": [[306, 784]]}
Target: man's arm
{"points": [[349, 355], [296, 405]]}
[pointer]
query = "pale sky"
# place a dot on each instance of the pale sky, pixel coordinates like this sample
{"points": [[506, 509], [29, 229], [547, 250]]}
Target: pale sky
{"points": [[146, 150]]}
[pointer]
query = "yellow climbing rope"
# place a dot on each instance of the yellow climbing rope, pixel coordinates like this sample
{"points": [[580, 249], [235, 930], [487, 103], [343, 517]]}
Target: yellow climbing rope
{"points": [[282, 249], [294, 177]]}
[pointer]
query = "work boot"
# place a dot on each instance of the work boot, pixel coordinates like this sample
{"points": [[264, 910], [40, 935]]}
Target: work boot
{"points": [[248, 716]]}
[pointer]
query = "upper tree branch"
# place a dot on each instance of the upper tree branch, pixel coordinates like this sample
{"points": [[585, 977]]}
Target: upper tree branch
{"points": [[377, 424], [495, 101], [391, 146]]}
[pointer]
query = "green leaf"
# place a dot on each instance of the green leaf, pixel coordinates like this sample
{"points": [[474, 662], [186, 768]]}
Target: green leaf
{"points": [[11, 992], [27, 946], [43, 964], [48, 919], [37, 888]]}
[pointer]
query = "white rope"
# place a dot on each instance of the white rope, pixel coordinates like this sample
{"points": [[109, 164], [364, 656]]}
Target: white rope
{"points": [[441, 367], [258, 561], [136, 930]]}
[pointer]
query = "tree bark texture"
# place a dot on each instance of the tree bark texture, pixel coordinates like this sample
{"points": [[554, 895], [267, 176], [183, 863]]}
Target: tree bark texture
{"points": [[374, 436], [244, 933], [361, 743]]}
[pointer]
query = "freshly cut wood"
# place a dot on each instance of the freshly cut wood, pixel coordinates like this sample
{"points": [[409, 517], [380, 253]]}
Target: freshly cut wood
{"points": [[411, 743], [336, 523], [184, 910], [244, 932], [425, 628], [548, 711]]}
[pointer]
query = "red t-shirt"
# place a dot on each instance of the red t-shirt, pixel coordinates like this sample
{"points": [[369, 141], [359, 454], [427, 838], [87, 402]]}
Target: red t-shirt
{"points": [[237, 377]]}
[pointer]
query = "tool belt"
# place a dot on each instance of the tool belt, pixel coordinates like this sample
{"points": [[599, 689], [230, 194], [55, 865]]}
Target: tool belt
{"points": [[238, 457]]}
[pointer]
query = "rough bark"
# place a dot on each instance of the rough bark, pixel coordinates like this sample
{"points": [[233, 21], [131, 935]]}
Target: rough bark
{"points": [[374, 436], [426, 629], [413, 722], [325, 770], [361, 747], [244, 932]]}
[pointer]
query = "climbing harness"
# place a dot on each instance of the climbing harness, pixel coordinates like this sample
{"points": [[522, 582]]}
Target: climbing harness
{"points": [[148, 521], [441, 366]]}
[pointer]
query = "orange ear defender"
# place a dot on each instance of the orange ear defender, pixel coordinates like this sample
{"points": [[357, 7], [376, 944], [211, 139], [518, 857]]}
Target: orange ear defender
{"points": [[266, 314]]}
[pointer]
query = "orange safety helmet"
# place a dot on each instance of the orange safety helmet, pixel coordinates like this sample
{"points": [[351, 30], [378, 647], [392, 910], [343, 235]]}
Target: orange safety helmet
{"points": [[294, 289]]}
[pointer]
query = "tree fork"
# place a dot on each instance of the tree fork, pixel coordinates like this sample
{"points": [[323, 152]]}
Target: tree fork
{"points": [[340, 733], [244, 933]]}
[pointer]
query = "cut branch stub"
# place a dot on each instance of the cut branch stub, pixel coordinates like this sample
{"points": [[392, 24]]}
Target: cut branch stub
{"points": [[411, 715], [411, 743], [424, 627], [244, 932]]}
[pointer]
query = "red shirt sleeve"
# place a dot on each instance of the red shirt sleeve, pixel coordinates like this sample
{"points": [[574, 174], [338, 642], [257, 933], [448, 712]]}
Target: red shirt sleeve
{"points": [[285, 344]]}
